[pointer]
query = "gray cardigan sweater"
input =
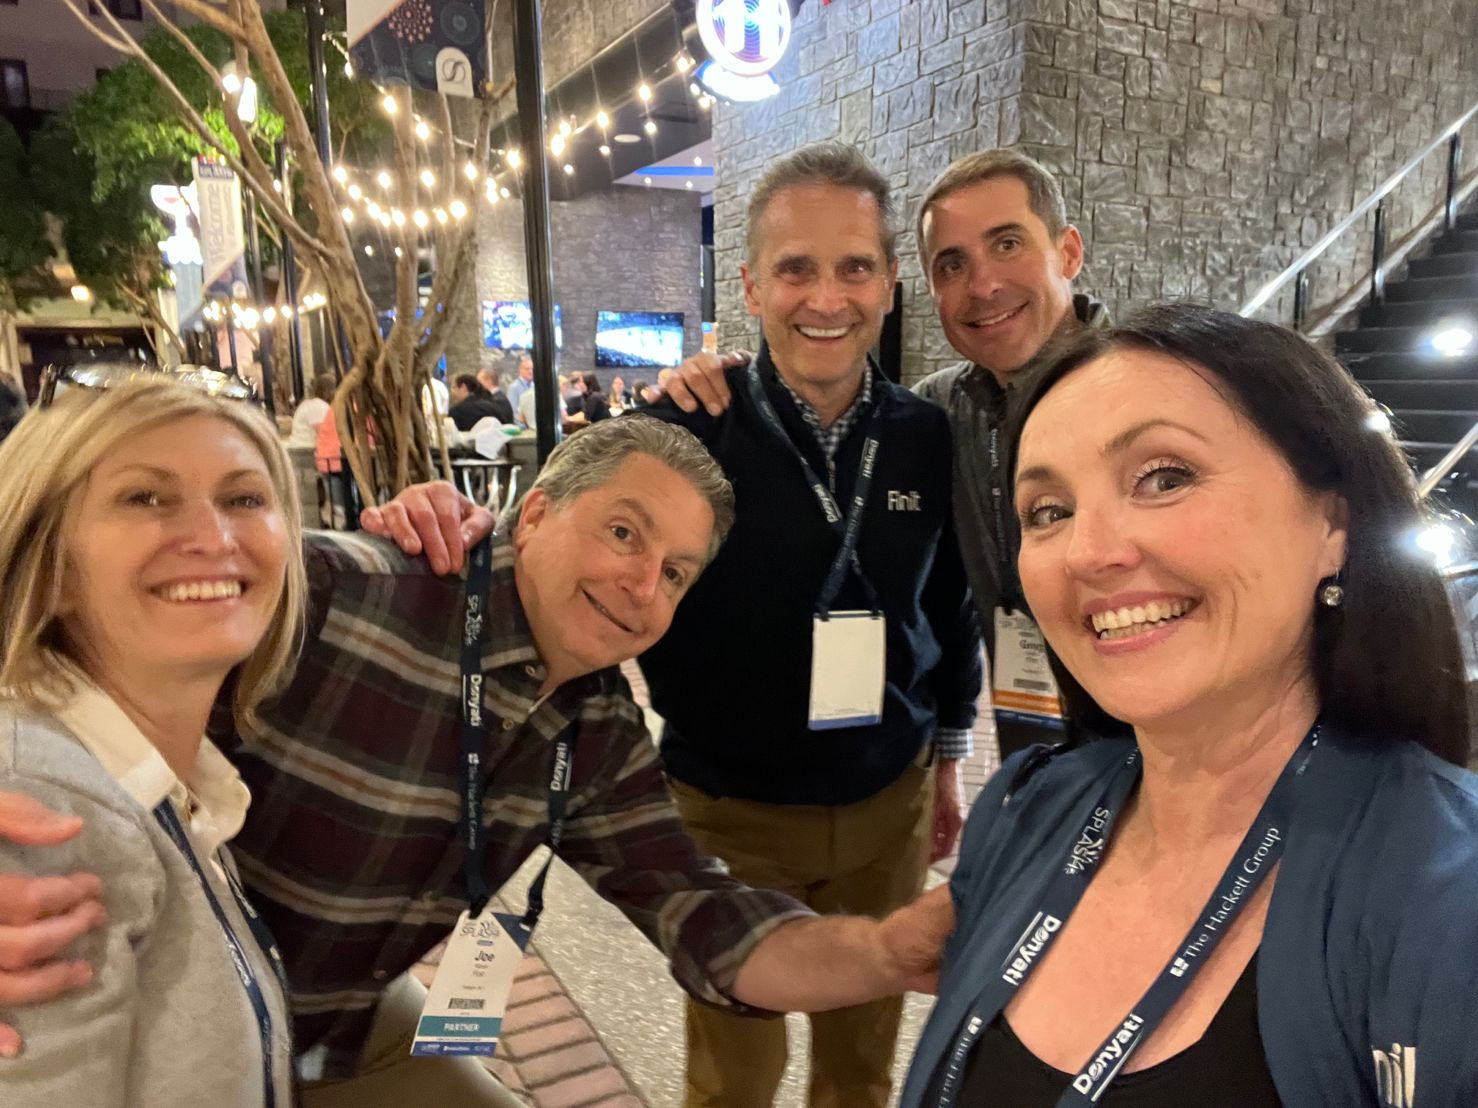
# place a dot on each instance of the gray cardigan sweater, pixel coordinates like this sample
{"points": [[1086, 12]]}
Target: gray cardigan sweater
{"points": [[166, 1022]]}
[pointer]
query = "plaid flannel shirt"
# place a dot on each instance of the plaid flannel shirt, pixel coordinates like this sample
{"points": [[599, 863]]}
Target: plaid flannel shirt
{"points": [[949, 743], [353, 849]]}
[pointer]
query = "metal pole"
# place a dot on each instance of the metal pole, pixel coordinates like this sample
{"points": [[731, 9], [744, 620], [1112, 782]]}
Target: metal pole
{"points": [[1378, 256], [231, 342], [264, 335], [290, 280], [318, 78], [1300, 299], [1454, 162], [528, 73]]}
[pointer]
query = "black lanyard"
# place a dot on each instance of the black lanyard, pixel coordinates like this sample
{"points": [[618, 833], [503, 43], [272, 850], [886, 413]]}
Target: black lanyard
{"points": [[1259, 851], [848, 528], [474, 744], [165, 814], [997, 484]]}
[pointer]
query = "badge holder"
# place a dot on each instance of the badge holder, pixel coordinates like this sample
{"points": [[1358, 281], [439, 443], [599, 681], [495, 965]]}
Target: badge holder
{"points": [[1023, 689], [848, 653]]}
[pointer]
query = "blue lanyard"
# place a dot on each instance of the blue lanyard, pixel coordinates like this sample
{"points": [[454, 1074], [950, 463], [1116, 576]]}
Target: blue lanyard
{"points": [[165, 814], [849, 528], [474, 743], [1258, 853]]}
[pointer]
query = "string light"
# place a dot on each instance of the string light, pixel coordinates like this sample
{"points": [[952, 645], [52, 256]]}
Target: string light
{"points": [[458, 209], [428, 178], [684, 63], [504, 193], [697, 161], [645, 93], [348, 214], [399, 253], [355, 192], [605, 150], [514, 158], [440, 214], [382, 179], [470, 171], [649, 127], [373, 209], [423, 132], [269, 316], [602, 120], [369, 251], [564, 128], [397, 217], [389, 104], [557, 145], [384, 219], [420, 219], [569, 170], [340, 174]]}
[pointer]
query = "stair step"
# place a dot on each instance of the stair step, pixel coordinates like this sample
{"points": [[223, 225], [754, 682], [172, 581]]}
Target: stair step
{"points": [[1424, 455], [1420, 312], [1419, 395], [1425, 364], [1433, 425], [1403, 339], [1456, 242], [1456, 286], [1445, 265]]}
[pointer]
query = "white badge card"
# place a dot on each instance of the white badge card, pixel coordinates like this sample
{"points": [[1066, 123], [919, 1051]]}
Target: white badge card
{"points": [[464, 1010], [1022, 685], [848, 651]]}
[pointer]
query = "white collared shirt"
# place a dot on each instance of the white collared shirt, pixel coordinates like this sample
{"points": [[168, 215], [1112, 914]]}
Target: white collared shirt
{"points": [[211, 804]]}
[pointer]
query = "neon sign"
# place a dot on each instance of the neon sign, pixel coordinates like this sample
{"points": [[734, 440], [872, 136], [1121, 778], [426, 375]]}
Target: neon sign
{"points": [[745, 37]]}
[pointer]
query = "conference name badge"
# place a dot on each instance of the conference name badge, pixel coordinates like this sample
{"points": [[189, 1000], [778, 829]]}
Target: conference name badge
{"points": [[464, 1010], [1022, 686], [848, 651]]}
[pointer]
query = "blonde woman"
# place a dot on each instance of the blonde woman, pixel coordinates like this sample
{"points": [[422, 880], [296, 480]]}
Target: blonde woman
{"points": [[149, 546]]}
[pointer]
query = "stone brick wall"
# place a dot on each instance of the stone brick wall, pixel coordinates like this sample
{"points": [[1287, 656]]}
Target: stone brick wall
{"points": [[1202, 144], [624, 250]]}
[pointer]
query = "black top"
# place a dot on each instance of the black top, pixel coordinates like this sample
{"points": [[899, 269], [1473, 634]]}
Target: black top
{"points": [[731, 678], [1225, 1068], [466, 413], [595, 407]]}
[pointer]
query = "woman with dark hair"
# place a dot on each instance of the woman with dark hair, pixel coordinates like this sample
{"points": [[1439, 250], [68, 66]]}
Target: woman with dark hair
{"points": [[1250, 878]]}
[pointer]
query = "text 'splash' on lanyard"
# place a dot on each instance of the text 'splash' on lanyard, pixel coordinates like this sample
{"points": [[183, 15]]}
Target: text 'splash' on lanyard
{"points": [[1258, 853], [464, 1009], [165, 814], [848, 648]]}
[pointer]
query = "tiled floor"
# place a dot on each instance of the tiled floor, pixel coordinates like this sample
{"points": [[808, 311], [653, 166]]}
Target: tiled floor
{"points": [[594, 1020]]}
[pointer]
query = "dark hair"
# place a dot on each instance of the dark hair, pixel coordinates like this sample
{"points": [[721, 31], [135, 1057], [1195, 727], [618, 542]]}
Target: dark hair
{"points": [[470, 383], [1388, 663], [12, 407], [592, 382], [323, 386]]}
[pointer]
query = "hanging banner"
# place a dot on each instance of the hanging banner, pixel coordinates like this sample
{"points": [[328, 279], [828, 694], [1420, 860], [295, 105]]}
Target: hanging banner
{"points": [[222, 238], [438, 45]]}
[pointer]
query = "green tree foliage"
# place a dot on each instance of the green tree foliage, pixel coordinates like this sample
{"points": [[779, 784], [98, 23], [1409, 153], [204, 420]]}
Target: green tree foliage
{"points": [[23, 245]]}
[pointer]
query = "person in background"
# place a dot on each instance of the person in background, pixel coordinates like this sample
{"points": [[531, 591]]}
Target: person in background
{"points": [[472, 402], [149, 544], [594, 405], [487, 379], [642, 394], [1251, 878], [523, 382], [12, 407], [617, 399], [570, 393], [311, 412]]}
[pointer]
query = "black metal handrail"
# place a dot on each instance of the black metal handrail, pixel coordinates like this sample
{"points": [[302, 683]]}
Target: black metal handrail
{"points": [[1298, 272]]}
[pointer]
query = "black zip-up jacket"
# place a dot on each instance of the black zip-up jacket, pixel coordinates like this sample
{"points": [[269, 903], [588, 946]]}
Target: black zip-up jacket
{"points": [[731, 678]]}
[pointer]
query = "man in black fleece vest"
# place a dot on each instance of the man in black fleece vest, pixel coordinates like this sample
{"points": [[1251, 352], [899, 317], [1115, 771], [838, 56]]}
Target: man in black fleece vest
{"points": [[839, 816]]}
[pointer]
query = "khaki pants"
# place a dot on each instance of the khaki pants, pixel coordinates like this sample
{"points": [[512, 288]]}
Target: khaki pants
{"points": [[861, 859], [389, 1077]]}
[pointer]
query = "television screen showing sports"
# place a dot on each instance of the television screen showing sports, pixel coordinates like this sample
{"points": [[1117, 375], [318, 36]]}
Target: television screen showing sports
{"points": [[509, 325], [632, 340]]}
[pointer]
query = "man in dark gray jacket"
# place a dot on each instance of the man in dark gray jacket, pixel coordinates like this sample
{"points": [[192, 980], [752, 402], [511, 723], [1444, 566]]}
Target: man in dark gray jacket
{"points": [[1000, 258]]}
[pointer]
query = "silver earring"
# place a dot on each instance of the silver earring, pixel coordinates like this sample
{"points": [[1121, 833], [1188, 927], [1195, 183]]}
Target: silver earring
{"points": [[1332, 594]]}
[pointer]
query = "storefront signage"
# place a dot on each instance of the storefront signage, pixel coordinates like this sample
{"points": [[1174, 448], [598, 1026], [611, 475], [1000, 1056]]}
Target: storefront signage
{"points": [[745, 37]]}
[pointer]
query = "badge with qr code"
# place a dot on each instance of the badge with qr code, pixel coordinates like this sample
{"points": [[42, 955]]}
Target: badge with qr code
{"points": [[464, 1010]]}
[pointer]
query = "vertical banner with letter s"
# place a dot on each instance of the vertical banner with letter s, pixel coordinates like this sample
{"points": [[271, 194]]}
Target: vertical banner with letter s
{"points": [[439, 45]]}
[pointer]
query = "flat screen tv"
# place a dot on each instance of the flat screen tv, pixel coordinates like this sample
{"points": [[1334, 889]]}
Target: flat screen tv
{"points": [[509, 325], [632, 340]]}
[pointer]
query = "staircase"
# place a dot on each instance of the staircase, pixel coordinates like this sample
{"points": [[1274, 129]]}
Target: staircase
{"points": [[1433, 397]]}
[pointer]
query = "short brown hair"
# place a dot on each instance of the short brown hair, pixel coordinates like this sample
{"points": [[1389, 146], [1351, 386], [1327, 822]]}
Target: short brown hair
{"points": [[821, 163], [1043, 193]]}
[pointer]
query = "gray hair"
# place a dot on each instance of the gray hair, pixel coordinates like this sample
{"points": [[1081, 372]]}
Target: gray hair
{"points": [[821, 163], [589, 460], [1044, 195]]}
